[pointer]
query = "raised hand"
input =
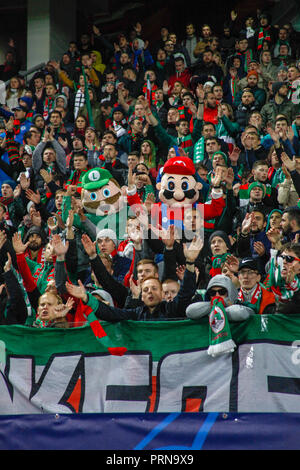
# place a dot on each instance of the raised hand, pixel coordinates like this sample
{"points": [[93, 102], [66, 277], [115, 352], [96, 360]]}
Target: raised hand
{"points": [[246, 224], [3, 238], [60, 249], [134, 287], [77, 291], [24, 181], [259, 248], [192, 250], [32, 196], [52, 223], [18, 245], [88, 245], [167, 236], [288, 163], [180, 270], [61, 310], [47, 177]]}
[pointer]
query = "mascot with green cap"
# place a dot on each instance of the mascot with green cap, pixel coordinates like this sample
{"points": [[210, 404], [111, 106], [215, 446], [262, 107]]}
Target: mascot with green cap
{"points": [[103, 202]]}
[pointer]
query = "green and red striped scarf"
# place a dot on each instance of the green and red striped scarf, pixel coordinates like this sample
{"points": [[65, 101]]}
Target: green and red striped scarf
{"points": [[263, 35], [99, 331]]}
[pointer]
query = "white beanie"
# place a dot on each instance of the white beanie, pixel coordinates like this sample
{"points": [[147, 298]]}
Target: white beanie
{"points": [[107, 232]]}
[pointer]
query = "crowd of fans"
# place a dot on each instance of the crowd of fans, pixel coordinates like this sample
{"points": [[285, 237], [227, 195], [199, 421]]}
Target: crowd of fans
{"points": [[229, 101]]}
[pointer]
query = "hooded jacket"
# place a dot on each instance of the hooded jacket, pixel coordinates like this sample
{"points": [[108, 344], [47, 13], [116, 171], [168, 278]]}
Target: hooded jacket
{"points": [[198, 310]]}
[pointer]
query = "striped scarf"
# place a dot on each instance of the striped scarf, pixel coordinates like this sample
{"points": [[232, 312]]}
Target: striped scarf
{"points": [[217, 262], [282, 290], [263, 35], [255, 299], [199, 150], [79, 102], [76, 179], [233, 88], [153, 89], [49, 105], [185, 142], [248, 58]]}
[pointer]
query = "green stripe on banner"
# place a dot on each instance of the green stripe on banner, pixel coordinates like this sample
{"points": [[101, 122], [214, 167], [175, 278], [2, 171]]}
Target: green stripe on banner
{"points": [[160, 338]]}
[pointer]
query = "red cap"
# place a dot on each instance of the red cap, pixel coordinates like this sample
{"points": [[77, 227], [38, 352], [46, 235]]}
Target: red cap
{"points": [[179, 166]]}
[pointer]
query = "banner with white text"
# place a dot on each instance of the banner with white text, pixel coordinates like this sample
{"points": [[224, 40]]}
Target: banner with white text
{"points": [[166, 369]]}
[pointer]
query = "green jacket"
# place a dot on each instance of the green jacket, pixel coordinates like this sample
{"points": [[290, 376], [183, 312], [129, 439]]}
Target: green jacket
{"points": [[187, 142], [270, 110]]}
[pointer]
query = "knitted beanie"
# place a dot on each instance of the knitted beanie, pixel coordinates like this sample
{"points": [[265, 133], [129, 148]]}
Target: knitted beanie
{"points": [[256, 184]]}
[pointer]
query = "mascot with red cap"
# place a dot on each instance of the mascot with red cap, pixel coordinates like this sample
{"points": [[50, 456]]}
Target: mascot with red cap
{"points": [[179, 189]]}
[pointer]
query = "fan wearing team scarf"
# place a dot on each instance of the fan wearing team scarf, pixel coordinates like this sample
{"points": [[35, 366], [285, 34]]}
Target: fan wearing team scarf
{"points": [[118, 122], [49, 103], [283, 278], [253, 297], [220, 248], [13, 202], [264, 32], [184, 138], [222, 287]]}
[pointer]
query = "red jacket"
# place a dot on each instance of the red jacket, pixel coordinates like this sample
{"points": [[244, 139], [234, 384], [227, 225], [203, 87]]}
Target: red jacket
{"points": [[183, 77]]}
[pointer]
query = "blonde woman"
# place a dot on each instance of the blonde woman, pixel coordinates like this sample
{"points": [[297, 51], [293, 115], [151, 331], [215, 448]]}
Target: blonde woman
{"points": [[14, 91]]}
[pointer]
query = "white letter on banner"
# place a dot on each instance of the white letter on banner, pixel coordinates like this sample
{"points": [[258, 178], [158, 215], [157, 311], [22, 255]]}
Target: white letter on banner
{"points": [[194, 381], [36, 389], [15, 390], [296, 352], [270, 382], [52, 386], [116, 384]]}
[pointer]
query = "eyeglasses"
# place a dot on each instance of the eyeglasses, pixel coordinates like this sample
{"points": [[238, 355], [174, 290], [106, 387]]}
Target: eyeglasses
{"points": [[248, 272], [289, 259], [219, 290]]}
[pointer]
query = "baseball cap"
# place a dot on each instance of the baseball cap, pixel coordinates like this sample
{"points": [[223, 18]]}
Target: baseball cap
{"points": [[249, 263], [96, 178], [179, 166]]}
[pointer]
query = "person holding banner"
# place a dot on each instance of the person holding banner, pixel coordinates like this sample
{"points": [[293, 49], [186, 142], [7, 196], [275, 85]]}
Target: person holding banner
{"points": [[154, 306]]}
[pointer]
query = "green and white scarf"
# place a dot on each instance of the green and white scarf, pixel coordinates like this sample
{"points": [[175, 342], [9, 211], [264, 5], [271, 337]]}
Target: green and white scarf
{"points": [[220, 339]]}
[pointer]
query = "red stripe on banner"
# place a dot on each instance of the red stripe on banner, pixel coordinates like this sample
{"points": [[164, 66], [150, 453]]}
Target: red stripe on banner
{"points": [[75, 397], [152, 397], [118, 351], [192, 405]]}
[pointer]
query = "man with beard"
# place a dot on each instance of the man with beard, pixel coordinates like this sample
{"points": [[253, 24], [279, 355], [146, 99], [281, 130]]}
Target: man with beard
{"points": [[132, 139], [253, 241], [36, 239], [290, 224], [208, 67], [245, 108], [280, 104], [258, 92], [210, 113]]}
